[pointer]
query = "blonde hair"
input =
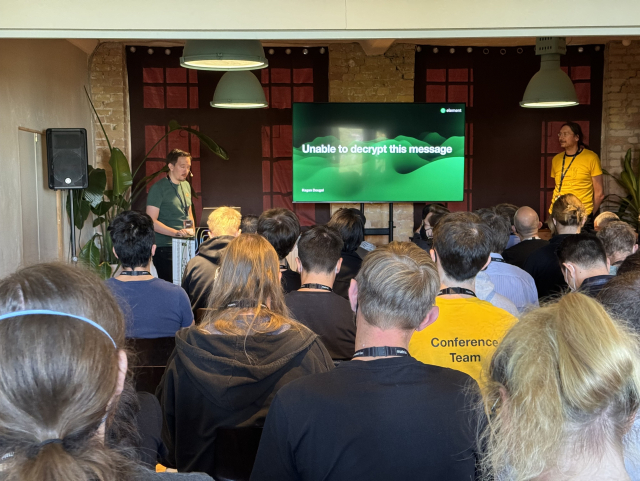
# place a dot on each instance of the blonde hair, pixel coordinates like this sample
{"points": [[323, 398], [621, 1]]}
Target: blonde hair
{"points": [[566, 378], [224, 221], [567, 210], [248, 281]]}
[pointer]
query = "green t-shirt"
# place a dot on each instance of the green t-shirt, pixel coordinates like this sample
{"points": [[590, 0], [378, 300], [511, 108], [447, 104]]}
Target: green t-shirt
{"points": [[172, 200]]}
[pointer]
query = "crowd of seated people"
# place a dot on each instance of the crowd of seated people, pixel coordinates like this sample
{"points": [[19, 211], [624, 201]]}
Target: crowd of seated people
{"points": [[461, 355]]}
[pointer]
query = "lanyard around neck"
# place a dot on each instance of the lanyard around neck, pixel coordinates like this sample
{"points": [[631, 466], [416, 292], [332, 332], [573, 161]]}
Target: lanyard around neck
{"points": [[456, 290], [184, 205], [563, 172]]}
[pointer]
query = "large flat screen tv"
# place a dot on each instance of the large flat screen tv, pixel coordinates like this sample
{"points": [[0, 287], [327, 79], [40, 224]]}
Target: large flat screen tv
{"points": [[378, 152]]}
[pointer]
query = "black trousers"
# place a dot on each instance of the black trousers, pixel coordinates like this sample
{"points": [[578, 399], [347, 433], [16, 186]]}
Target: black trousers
{"points": [[163, 260]]}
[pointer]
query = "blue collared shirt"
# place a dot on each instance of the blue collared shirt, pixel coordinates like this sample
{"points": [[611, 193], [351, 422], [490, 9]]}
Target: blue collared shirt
{"points": [[513, 283]]}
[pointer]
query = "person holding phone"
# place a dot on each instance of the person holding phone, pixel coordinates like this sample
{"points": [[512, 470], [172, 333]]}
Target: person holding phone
{"points": [[169, 205]]}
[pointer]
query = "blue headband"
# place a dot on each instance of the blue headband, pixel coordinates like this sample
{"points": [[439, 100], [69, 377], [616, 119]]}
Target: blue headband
{"points": [[47, 312]]}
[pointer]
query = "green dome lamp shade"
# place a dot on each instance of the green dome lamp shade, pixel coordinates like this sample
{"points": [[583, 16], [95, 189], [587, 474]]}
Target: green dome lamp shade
{"points": [[239, 90], [550, 87], [223, 55]]}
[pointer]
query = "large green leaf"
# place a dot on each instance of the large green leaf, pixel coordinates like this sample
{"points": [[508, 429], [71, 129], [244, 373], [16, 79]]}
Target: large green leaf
{"points": [[81, 209], [104, 270], [98, 221], [90, 254], [102, 208], [94, 193], [122, 179]]}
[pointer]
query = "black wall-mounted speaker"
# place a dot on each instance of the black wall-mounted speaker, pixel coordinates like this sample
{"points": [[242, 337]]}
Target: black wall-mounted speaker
{"points": [[67, 158]]}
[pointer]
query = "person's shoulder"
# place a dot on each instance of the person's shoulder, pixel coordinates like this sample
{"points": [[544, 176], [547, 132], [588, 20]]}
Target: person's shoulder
{"points": [[159, 186], [489, 310], [590, 154], [166, 286]]}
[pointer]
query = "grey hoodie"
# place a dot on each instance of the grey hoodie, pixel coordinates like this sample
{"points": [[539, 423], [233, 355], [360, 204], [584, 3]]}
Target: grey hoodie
{"points": [[215, 380]]}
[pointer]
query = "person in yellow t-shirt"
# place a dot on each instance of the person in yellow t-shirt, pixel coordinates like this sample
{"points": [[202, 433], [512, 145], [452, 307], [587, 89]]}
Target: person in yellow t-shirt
{"points": [[577, 170], [468, 330]]}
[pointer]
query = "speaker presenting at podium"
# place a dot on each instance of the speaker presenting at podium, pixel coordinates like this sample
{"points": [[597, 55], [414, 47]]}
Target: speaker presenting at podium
{"points": [[169, 205]]}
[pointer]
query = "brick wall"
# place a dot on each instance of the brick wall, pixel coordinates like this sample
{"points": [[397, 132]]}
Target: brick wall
{"points": [[621, 108], [110, 96], [356, 77]]}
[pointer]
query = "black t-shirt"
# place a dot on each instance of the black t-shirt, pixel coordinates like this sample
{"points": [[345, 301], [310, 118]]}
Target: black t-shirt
{"points": [[351, 263], [328, 315], [290, 280], [387, 419], [544, 266], [517, 255]]}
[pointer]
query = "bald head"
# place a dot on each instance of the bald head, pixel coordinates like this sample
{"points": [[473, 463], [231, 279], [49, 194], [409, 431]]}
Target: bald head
{"points": [[526, 222]]}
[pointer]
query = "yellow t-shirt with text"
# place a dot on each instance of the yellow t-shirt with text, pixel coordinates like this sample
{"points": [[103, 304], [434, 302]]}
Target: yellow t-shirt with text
{"points": [[464, 336], [577, 180]]}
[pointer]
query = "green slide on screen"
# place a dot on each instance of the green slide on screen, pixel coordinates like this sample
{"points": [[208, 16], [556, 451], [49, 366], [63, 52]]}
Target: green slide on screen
{"points": [[378, 152]]}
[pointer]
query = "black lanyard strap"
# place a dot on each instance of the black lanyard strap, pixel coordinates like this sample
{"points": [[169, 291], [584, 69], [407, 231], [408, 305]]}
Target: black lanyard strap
{"points": [[183, 204], [316, 286], [381, 351], [135, 273], [456, 290], [497, 259], [563, 172]]}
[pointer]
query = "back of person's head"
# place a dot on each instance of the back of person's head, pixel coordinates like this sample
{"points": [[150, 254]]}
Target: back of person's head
{"points": [[462, 243], [565, 380], [248, 280], [567, 210], [604, 219], [508, 211], [319, 249], [397, 286], [133, 237], [583, 250], [435, 208], [499, 229], [618, 238], [350, 226], [630, 264], [60, 376], [281, 228], [526, 221], [620, 298], [249, 224], [224, 221]]}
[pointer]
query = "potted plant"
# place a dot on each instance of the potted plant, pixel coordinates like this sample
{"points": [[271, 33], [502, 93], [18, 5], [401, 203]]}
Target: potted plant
{"points": [[105, 203], [629, 206]]}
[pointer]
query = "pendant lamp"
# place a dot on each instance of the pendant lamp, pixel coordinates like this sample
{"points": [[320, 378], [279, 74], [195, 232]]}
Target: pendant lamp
{"points": [[550, 87], [223, 55], [239, 90]]}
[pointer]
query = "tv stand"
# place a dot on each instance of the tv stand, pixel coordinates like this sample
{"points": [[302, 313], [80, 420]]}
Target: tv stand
{"points": [[381, 231]]}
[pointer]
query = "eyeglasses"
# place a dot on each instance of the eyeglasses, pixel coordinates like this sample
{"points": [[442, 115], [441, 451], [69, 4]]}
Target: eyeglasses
{"points": [[565, 134]]}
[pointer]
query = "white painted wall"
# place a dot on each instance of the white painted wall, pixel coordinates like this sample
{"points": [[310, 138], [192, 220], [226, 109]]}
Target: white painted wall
{"points": [[41, 86], [319, 19]]}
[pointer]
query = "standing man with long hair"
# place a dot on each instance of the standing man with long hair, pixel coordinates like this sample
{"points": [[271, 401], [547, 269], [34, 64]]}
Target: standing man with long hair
{"points": [[577, 171]]}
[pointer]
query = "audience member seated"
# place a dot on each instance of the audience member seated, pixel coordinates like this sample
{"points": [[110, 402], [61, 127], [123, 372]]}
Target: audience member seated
{"points": [[526, 226], [486, 291], [630, 264], [562, 392], [282, 228], [350, 226], [153, 308], [567, 217], [431, 214], [508, 211], [384, 415], [68, 412], [315, 304], [468, 329], [510, 281], [584, 263], [224, 225], [226, 371], [619, 240], [603, 220], [249, 224]]}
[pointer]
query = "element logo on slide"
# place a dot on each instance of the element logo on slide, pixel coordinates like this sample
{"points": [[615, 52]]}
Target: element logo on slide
{"points": [[443, 110]]}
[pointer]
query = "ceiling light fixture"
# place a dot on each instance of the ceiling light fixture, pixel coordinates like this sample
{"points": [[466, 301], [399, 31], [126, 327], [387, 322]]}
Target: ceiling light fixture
{"points": [[239, 90], [550, 87], [223, 55]]}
